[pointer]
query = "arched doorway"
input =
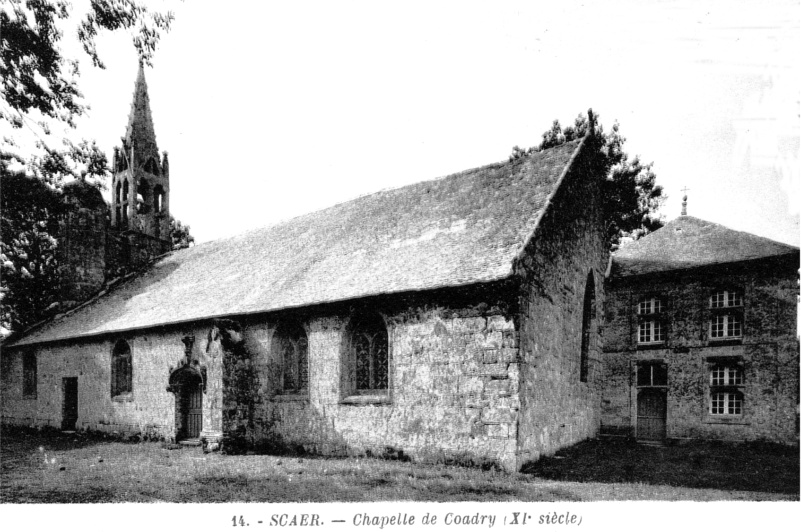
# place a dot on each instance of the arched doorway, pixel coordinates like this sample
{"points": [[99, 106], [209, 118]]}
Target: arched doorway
{"points": [[187, 384]]}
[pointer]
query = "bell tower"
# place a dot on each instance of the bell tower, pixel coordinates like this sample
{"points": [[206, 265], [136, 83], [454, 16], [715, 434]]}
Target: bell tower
{"points": [[141, 183]]}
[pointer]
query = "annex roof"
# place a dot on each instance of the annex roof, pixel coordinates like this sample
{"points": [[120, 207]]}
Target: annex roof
{"points": [[689, 242], [462, 229]]}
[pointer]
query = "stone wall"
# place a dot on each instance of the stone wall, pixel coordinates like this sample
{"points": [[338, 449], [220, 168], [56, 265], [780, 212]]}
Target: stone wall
{"points": [[767, 352], [148, 411], [452, 397], [453, 386], [557, 409]]}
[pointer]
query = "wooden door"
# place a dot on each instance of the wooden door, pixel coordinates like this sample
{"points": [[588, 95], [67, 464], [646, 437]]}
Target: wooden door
{"points": [[193, 422], [651, 414], [69, 414]]}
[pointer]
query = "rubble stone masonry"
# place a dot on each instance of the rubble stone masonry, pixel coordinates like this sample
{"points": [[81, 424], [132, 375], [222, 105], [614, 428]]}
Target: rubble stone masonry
{"points": [[767, 351]]}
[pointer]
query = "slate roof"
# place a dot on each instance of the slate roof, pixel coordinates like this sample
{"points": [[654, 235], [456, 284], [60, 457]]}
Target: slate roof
{"points": [[689, 242], [462, 229]]}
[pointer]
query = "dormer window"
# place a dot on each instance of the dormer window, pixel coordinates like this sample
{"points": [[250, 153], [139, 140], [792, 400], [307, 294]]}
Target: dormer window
{"points": [[651, 328]]}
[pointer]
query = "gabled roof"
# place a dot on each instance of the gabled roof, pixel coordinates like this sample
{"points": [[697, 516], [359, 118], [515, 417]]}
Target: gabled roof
{"points": [[462, 229], [689, 242]]}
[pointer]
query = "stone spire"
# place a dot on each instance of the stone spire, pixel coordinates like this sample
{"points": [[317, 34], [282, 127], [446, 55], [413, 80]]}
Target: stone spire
{"points": [[140, 133]]}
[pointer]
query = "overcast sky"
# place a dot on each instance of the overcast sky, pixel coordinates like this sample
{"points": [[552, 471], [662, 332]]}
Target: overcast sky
{"points": [[273, 109]]}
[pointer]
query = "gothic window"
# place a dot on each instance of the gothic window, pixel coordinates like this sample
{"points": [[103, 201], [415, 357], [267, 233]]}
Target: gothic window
{"points": [[125, 190], [158, 198], [293, 346], [152, 167], [29, 375], [119, 192], [370, 353], [143, 197], [121, 369], [726, 321], [651, 327], [726, 382], [587, 319]]}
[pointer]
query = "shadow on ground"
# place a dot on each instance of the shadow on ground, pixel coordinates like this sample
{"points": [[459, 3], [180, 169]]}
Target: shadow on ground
{"points": [[744, 466]]}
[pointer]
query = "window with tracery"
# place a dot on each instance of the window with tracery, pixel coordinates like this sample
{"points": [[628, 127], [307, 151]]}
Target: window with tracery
{"points": [[121, 369], [370, 352], [293, 346]]}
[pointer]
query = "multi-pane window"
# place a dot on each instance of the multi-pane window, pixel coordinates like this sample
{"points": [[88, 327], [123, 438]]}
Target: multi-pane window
{"points": [[121, 369], [293, 346], [726, 376], [370, 352], [725, 299], [726, 403], [651, 328], [651, 305], [651, 332], [29, 375], [726, 321], [726, 326], [725, 390]]}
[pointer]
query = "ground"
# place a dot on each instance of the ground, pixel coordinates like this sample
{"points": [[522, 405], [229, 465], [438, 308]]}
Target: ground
{"points": [[54, 467]]}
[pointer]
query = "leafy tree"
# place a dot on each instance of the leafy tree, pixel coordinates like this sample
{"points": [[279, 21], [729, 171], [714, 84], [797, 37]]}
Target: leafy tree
{"points": [[29, 215], [179, 235], [631, 197]]}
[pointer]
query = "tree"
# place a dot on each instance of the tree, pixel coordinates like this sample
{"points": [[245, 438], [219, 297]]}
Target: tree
{"points": [[29, 215], [40, 93], [179, 235], [631, 197]]}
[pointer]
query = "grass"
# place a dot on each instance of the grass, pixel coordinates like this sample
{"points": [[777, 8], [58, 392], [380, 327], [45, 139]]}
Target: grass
{"points": [[53, 467]]}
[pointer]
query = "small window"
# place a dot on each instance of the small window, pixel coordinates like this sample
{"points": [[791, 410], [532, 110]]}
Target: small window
{"points": [[726, 326], [652, 374], [121, 369], [293, 346], [726, 299], [29, 375]]}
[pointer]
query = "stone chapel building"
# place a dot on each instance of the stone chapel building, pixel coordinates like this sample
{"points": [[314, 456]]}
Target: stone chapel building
{"points": [[456, 318]]}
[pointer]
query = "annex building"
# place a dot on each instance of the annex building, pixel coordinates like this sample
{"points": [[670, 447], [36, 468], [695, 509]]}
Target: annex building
{"points": [[462, 318]]}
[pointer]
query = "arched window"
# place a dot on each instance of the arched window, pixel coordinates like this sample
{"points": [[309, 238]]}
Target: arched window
{"points": [[121, 369], [158, 198], [587, 319], [293, 346], [125, 190], [152, 167], [143, 199], [370, 352], [119, 192]]}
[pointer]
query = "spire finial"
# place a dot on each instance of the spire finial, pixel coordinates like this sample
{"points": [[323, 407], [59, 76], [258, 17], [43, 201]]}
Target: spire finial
{"points": [[684, 202]]}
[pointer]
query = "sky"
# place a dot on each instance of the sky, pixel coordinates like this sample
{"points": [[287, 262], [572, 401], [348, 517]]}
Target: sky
{"points": [[273, 109]]}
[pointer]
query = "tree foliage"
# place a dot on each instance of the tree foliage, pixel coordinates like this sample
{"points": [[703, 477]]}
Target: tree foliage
{"points": [[179, 235], [29, 216], [631, 197]]}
